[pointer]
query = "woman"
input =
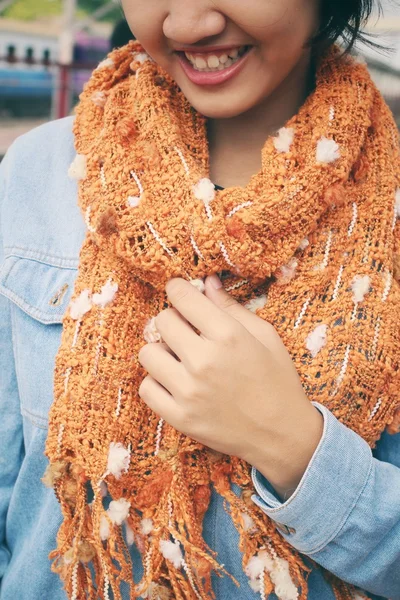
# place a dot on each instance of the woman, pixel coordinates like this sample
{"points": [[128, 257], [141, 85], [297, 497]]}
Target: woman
{"points": [[210, 437]]}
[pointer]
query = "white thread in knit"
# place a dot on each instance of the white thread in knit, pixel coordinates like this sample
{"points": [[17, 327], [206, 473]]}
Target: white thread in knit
{"points": [[375, 409], [327, 251], [237, 208], [190, 577], [77, 327], [376, 338], [354, 313], [59, 438], [331, 114], [170, 511], [389, 280], [366, 249], [158, 436], [74, 581], [106, 581], [354, 220], [98, 347], [262, 585], [343, 370], [66, 380], [118, 409], [237, 285], [302, 313], [146, 563], [137, 180], [338, 282], [158, 238], [87, 220], [129, 453], [103, 178], [271, 550], [208, 211], [226, 256], [196, 248], [183, 161], [184, 564], [396, 213]]}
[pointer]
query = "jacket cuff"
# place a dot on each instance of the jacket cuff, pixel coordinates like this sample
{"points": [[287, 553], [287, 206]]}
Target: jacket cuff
{"points": [[327, 492]]}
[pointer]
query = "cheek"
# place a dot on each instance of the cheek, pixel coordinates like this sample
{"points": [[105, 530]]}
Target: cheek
{"points": [[290, 25], [277, 23], [145, 18]]}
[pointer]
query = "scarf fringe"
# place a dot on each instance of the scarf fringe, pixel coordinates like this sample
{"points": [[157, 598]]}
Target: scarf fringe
{"points": [[176, 558]]}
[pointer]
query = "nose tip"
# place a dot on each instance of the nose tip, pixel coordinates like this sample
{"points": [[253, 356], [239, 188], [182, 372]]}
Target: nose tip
{"points": [[190, 29]]}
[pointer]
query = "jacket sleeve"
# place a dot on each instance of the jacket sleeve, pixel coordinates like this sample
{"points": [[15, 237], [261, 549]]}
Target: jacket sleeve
{"points": [[11, 435], [345, 513]]}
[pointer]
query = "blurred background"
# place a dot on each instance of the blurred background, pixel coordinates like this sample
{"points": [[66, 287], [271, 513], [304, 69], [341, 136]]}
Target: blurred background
{"points": [[48, 49]]}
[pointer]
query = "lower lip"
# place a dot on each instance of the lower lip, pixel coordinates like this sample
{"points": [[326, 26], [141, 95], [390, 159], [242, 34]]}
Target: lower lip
{"points": [[212, 77]]}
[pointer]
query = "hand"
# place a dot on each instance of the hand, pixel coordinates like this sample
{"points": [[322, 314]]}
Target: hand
{"points": [[233, 387]]}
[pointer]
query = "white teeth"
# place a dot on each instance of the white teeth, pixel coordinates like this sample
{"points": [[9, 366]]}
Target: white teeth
{"points": [[213, 62], [200, 63]]}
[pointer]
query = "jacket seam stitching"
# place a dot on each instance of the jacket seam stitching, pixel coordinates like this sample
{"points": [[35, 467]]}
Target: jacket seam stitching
{"points": [[34, 419], [59, 262], [28, 308], [37, 420]]}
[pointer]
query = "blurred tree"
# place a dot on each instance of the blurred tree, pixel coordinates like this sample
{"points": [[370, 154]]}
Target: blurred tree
{"points": [[29, 10], [121, 34]]}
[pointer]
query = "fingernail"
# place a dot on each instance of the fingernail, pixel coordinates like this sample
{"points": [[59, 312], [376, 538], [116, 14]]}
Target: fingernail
{"points": [[215, 281]]}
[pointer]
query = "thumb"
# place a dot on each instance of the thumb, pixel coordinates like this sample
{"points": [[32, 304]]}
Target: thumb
{"points": [[215, 292]]}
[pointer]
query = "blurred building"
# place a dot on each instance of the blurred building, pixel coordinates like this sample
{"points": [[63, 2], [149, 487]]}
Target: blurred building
{"points": [[25, 40], [384, 65], [29, 72]]}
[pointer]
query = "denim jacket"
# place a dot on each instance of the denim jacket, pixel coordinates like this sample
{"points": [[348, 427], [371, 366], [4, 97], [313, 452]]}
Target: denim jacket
{"points": [[345, 513]]}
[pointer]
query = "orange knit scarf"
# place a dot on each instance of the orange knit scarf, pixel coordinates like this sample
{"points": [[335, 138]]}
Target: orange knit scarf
{"points": [[310, 244]]}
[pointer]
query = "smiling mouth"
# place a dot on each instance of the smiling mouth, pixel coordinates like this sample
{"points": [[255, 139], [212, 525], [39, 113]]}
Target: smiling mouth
{"points": [[215, 61]]}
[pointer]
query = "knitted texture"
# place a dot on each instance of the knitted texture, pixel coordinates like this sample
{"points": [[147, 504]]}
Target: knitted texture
{"points": [[311, 245]]}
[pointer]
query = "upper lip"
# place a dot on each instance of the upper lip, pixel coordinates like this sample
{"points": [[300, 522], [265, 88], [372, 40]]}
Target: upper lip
{"points": [[207, 49]]}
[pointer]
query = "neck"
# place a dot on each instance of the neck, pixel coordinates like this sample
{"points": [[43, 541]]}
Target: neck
{"points": [[235, 144]]}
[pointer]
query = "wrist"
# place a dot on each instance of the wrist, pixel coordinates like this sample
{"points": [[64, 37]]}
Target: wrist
{"points": [[284, 461]]}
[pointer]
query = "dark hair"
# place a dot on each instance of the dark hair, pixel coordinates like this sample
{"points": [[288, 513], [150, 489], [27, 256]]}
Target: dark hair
{"points": [[121, 34], [344, 19]]}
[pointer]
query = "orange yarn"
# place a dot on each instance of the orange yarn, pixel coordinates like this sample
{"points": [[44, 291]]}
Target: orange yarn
{"points": [[316, 231]]}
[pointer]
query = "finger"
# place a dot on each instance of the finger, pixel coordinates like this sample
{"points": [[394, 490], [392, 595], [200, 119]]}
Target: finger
{"points": [[198, 310], [178, 334], [159, 400], [160, 363], [263, 331]]}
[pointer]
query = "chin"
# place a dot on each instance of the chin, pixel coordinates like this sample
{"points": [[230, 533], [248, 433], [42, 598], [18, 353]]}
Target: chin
{"points": [[214, 107], [222, 112]]}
